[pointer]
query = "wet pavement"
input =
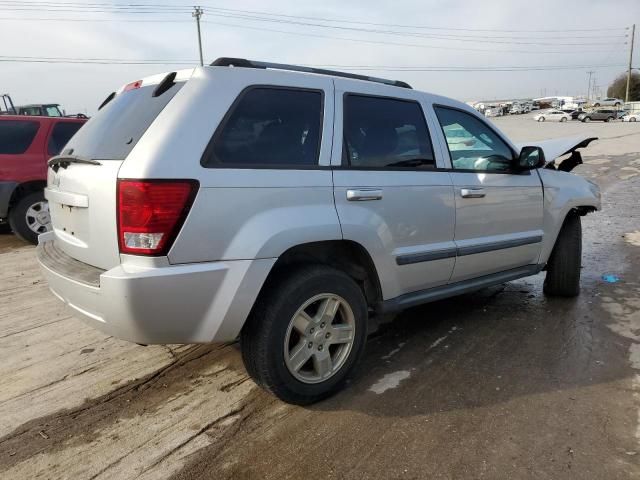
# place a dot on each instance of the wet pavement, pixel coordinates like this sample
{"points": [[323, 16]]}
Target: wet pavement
{"points": [[502, 383]]}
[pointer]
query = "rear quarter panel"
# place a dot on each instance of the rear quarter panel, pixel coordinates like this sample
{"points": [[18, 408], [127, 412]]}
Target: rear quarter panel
{"points": [[239, 213]]}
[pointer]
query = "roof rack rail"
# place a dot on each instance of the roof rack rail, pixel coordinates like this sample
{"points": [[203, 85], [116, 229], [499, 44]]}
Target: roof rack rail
{"points": [[244, 63]]}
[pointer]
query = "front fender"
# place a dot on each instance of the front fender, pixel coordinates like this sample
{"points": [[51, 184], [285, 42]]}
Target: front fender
{"points": [[563, 192]]}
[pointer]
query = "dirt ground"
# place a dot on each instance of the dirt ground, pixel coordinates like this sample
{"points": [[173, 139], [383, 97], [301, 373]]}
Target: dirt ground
{"points": [[500, 384]]}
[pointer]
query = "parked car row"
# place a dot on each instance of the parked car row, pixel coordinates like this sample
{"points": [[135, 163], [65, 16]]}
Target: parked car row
{"points": [[598, 114]]}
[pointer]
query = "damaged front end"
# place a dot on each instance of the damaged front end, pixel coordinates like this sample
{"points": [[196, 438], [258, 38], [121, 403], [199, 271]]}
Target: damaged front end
{"points": [[559, 147]]}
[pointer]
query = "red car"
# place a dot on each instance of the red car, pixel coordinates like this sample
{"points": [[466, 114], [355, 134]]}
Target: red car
{"points": [[26, 143]]}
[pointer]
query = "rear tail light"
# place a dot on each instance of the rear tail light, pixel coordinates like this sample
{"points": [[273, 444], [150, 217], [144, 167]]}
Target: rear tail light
{"points": [[151, 213]]}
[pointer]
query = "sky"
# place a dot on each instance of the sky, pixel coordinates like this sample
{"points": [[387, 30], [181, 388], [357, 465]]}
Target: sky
{"points": [[487, 42]]}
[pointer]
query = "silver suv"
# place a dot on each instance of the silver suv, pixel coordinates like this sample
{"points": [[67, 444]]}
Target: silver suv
{"points": [[294, 208]]}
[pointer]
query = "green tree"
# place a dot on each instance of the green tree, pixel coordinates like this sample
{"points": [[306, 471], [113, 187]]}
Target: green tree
{"points": [[618, 87]]}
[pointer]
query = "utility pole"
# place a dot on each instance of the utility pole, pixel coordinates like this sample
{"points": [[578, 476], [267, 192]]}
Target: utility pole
{"points": [[197, 13], [633, 34], [589, 86]]}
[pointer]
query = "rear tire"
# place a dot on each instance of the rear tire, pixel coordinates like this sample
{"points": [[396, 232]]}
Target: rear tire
{"points": [[541, 119], [596, 104], [632, 119], [30, 217], [272, 338], [563, 267]]}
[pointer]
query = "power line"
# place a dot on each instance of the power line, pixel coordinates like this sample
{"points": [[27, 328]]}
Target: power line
{"points": [[391, 68], [439, 36], [315, 35], [457, 38], [389, 43], [159, 7], [105, 20]]}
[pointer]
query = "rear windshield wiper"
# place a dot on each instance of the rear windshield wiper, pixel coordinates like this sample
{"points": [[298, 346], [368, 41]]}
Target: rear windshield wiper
{"points": [[413, 162], [65, 160]]}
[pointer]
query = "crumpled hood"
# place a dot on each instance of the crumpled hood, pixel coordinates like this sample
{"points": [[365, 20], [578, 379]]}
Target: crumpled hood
{"points": [[558, 147]]}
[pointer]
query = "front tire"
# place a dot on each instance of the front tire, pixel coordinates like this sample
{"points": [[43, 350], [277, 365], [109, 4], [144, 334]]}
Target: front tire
{"points": [[305, 334], [541, 119], [608, 119], [586, 119], [563, 119], [30, 217], [563, 267]]}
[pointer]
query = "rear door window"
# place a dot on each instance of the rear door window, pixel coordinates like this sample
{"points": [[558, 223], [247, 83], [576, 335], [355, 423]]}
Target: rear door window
{"points": [[16, 136], [112, 133], [268, 127], [60, 135], [385, 132]]}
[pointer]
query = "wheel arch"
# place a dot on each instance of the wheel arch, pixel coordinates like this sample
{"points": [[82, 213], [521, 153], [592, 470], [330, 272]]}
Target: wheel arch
{"points": [[550, 243], [564, 194], [345, 255], [26, 188]]}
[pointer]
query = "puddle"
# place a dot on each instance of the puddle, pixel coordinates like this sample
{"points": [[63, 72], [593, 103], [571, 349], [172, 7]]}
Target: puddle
{"points": [[389, 381]]}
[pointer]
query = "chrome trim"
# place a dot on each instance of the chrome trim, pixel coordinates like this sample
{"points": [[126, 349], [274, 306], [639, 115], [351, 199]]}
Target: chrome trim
{"points": [[364, 194]]}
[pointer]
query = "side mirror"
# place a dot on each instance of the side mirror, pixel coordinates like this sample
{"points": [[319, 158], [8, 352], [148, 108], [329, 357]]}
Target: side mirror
{"points": [[530, 158]]}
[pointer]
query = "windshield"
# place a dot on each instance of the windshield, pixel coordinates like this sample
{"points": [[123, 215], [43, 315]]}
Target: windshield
{"points": [[112, 133], [53, 111]]}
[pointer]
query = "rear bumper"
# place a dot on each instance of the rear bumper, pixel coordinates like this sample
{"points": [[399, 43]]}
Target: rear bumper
{"points": [[193, 303], [6, 190]]}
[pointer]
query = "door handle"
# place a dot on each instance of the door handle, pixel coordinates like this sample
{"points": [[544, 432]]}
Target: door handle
{"points": [[472, 192], [364, 194]]}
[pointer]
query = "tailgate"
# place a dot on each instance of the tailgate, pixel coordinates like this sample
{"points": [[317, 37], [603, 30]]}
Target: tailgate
{"points": [[82, 203]]}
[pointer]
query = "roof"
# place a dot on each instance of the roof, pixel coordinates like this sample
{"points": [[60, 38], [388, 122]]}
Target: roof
{"points": [[42, 118], [39, 105]]}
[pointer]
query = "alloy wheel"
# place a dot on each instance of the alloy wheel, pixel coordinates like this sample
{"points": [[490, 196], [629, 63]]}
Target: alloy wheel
{"points": [[37, 217], [319, 338]]}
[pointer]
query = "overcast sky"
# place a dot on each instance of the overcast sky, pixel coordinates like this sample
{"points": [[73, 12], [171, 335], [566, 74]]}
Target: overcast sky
{"points": [[504, 42]]}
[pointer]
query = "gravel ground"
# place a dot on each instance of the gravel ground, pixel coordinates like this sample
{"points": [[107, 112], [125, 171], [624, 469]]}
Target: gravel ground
{"points": [[503, 383]]}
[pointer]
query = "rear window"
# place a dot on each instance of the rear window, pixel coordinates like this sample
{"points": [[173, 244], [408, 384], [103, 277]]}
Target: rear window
{"points": [[34, 111], [60, 135], [16, 136], [268, 127], [112, 133]]}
